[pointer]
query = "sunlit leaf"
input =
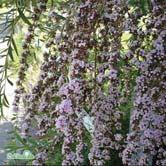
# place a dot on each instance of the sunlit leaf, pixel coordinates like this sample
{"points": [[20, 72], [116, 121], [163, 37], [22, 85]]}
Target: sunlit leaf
{"points": [[10, 53], [24, 18], [14, 46]]}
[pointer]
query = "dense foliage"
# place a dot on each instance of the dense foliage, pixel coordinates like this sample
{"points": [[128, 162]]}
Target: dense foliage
{"points": [[103, 62]]}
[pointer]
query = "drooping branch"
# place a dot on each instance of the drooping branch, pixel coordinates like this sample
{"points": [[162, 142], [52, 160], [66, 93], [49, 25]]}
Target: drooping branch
{"points": [[105, 108], [146, 140], [26, 53]]}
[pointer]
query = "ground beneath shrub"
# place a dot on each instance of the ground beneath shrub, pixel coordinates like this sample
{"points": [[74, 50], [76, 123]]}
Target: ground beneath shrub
{"points": [[5, 128]]}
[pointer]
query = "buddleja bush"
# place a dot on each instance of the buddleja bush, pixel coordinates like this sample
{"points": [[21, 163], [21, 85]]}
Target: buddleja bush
{"points": [[87, 72]]}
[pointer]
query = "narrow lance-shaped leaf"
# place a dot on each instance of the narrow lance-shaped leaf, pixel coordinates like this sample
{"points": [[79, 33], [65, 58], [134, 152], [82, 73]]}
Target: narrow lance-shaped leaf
{"points": [[10, 82], [6, 100], [24, 18], [14, 46], [1, 107], [10, 53], [4, 103]]}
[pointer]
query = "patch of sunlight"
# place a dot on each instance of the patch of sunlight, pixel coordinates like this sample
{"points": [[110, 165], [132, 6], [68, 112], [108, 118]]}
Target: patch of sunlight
{"points": [[2, 151], [125, 38]]}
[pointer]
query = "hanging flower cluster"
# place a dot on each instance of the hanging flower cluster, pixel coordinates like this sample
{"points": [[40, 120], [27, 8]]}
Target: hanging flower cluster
{"points": [[34, 99], [105, 108], [146, 141], [73, 92], [82, 72], [38, 103], [37, 11]]}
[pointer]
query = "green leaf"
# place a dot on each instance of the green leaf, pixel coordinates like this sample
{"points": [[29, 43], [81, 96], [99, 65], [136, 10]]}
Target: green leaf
{"points": [[14, 46], [34, 2], [6, 100], [11, 10], [32, 141], [24, 18], [4, 103], [19, 138], [58, 16], [10, 82], [2, 51], [10, 53], [1, 107], [12, 146], [5, 28]]}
